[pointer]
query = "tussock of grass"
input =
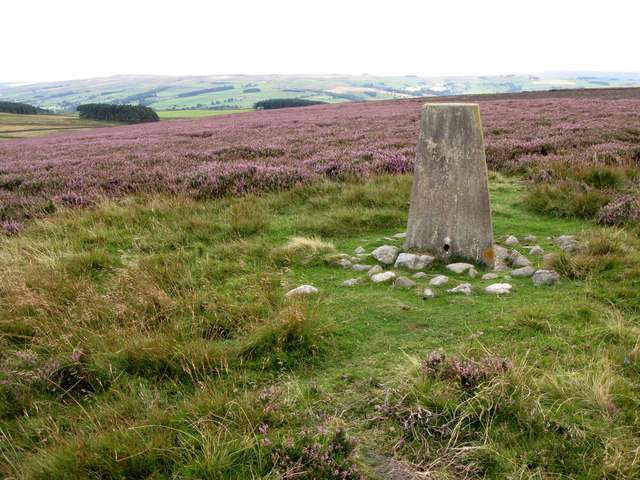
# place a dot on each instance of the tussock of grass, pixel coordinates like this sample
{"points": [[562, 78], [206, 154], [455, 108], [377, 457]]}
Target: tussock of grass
{"points": [[525, 420], [601, 250], [309, 251], [565, 199]]}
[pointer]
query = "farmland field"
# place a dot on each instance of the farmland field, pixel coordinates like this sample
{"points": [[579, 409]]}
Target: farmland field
{"points": [[20, 126], [145, 332]]}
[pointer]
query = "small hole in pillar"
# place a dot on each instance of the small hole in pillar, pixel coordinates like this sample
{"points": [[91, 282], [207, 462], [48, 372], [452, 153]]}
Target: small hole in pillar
{"points": [[446, 247]]}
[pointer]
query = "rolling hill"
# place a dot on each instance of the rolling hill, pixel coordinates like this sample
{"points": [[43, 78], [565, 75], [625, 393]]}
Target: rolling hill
{"points": [[223, 92]]}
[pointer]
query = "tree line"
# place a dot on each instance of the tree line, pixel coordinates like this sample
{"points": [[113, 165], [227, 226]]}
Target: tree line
{"points": [[205, 90], [284, 103], [21, 108], [117, 113]]}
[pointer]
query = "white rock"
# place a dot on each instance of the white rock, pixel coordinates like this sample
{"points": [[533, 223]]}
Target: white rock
{"points": [[301, 290], [545, 277], [354, 259], [548, 257], [498, 288], [530, 238], [490, 276], [463, 288], [382, 277], [567, 242], [508, 277], [428, 293], [373, 270], [386, 254], [521, 261], [404, 282], [359, 250], [401, 235], [513, 254], [413, 262], [500, 253], [523, 272], [566, 239], [361, 268], [459, 267], [419, 275], [511, 240], [537, 250], [438, 280], [473, 273], [343, 262], [352, 282]]}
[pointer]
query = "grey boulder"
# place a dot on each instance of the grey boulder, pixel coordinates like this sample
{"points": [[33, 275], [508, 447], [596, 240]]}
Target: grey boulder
{"points": [[521, 261], [361, 268], [412, 261], [386, 254], [511, 240], [463, 288], [438, 280], [545, 277], [382, 277], [537, 250], [374, 270], [301, 290], [404, 282], [459, 267], [523, 272], [498, 288]]}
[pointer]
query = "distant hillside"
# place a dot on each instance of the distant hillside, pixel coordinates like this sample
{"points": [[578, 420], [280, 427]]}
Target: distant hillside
{"points": [[223, 92]]}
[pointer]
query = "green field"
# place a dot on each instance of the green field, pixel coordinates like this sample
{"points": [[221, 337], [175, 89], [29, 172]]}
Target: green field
{"points": [[149, 337]]}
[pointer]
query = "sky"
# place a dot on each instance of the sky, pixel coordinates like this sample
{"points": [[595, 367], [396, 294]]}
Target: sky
{"points": [[72, 39]]}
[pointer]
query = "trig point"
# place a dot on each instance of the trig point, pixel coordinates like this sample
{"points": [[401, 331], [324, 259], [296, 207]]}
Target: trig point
{"points": [[450, 213]]}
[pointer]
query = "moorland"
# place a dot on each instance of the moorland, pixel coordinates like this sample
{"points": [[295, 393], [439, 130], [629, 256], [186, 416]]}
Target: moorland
{"points": [[144, 330]]}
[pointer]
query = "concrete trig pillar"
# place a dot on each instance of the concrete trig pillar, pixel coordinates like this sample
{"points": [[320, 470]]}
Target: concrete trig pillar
{"points": [[450, 213]]}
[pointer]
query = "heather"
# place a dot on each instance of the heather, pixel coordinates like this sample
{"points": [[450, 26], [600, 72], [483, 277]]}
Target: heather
{"points": [[549, 140]]}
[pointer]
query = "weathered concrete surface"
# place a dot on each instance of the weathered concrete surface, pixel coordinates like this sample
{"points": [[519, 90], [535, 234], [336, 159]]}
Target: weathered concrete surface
{"points": [[450, 213]]}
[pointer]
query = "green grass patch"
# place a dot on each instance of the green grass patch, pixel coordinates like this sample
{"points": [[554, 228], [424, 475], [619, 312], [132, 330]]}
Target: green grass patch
{"points": [[149, 337]]}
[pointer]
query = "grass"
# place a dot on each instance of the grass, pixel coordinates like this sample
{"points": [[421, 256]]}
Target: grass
{"points": [[148, 337], [21, 126]]}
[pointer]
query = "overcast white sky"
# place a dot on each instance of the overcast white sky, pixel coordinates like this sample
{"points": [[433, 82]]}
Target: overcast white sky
{"points": [[43, 40]]}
